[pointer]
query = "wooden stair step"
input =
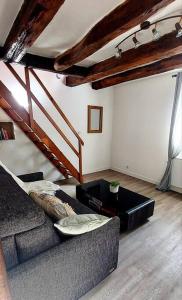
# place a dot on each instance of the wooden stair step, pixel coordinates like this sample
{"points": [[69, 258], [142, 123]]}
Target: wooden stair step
{"points": [[60, 167], [47, 151], [45, 148], [51, 156], [54, 158], [40, 142], [59, 164], [65, 170], [40, 145], [69, 174]]}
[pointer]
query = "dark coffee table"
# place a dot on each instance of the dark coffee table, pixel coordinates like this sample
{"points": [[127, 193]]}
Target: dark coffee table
{"points": [[133, 209]]}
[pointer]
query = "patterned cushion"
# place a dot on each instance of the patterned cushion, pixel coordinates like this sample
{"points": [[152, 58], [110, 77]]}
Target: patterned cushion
{"points": [[77, 206], [79, 224], [52, 205]]}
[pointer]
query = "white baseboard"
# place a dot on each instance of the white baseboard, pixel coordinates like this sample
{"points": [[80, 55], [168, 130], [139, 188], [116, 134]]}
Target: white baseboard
{"points": [[96, 170], [136, 175], [176, 189]]}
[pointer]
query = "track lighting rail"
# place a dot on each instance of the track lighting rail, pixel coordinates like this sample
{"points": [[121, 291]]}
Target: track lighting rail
{"points": [[146, 25]]}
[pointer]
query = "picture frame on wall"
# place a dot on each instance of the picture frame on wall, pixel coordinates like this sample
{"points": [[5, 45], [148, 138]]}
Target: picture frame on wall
{"points": [[95, 119]]}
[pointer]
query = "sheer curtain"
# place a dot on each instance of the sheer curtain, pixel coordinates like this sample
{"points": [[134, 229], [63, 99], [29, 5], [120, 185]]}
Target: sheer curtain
{"points": [[175, 135]]}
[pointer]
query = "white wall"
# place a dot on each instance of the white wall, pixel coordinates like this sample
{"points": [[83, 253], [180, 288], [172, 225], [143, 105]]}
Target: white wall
{"points": [[137, 127], [141, 122], [21, 156]]}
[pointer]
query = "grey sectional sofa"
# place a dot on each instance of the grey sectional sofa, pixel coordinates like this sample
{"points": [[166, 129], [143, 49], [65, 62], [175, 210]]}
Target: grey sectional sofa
{"points": [[43, 264]]}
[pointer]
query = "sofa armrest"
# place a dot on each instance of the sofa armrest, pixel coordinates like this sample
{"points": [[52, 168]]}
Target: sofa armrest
{"points": [[32, 177], [70, 269]]}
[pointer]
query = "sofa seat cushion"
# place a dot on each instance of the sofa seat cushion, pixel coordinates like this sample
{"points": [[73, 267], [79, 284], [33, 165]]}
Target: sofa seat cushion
{"points": [[18, 212]]}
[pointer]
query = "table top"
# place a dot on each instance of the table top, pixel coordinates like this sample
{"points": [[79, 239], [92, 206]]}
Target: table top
{"points": [[124, 200]]}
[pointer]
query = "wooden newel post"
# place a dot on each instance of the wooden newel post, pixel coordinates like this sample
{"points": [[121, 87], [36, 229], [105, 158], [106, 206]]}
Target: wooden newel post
{"points": [[4, 288], [80, 161], [30, 108]]}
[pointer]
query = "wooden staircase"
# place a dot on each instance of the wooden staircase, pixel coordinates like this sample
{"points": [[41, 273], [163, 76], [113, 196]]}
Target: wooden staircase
{"points": [[35, 133]]}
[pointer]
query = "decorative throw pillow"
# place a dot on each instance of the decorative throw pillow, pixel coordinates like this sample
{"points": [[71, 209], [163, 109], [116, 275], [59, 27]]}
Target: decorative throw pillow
{"points": [[52, 205], [80, 224]]}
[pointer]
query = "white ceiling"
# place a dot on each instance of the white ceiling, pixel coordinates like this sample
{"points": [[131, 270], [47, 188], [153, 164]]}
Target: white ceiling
{"points": [[71, 23], [74, 20], [8, 12]]}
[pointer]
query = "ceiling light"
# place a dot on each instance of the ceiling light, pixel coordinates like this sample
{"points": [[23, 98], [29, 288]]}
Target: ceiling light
{"points": [[136, 42], [156, 34], [179, 30], [118, 53]]}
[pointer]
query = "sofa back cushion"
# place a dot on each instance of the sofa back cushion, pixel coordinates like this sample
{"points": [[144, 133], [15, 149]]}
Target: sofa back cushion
{"points": [[18, 212], [25, 230], [16, 179]]}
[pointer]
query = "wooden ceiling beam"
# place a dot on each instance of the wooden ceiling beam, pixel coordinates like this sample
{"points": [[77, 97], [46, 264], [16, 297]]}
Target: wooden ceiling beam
{"points": [[167, 46], [124, 17], [46, 64], [162, 66], [31, 20]]}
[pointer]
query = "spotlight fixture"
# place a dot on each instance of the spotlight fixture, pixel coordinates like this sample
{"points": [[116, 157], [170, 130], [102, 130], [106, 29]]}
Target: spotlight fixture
{"points": [[156, 34], [118, 53], [145, 25], [136, 42], [179, 30]]}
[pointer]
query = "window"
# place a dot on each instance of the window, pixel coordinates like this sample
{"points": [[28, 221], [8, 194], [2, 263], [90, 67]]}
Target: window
{"points": [[178, 128]]}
